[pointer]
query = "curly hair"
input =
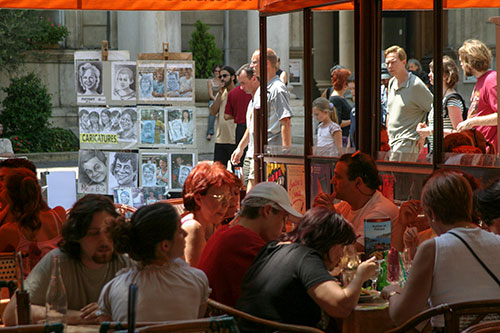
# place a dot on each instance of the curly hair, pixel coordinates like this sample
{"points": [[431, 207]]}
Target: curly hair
{"points": [[475, 54], [79, 220], [25, 197], [203, 176], [320, 229], [18, 163], [148, 226]]}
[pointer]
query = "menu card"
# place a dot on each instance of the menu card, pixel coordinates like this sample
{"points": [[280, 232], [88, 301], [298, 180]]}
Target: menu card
{"points": [[377, 236]]}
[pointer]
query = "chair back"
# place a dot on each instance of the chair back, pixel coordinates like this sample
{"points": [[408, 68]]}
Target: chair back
{"points": [[221, 324], [178, 204], [8, 272], [457, 316], [215, 307], [39, 328], [486, 327]]}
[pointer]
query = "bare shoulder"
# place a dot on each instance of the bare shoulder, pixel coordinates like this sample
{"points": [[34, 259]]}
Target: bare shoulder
{"points": [[192, 226]]}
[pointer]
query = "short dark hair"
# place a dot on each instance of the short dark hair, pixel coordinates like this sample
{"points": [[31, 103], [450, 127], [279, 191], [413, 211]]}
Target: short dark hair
{"points": [[362, 165], [247, 69], [18, 163], [125, 157], [79, 220], [320, 229], [148, 226], [487, 202]]}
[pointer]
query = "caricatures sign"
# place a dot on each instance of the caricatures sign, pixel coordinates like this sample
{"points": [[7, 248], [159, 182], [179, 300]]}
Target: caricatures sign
{"points": [[108, 128], [180, 82]]}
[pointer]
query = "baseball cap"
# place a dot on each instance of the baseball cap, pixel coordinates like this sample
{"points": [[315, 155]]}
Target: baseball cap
{"points": [[275, 193]]}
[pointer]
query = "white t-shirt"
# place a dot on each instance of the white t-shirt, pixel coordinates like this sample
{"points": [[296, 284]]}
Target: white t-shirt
{"points": [[252, 105], [378, 206], [325, 138], [174, 291]]}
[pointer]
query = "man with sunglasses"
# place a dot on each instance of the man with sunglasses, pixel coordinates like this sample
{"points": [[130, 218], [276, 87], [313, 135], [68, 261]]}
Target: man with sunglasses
{"points": [[232, 248], [225, 128], [356, 182]]}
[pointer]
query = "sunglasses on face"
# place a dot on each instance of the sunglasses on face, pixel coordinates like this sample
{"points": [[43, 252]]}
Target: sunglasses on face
{"points": [[224, 75]]}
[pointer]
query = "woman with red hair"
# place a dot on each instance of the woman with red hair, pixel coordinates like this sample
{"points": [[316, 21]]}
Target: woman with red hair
{"points": [[206, 195], [336, 97], [31, 226]]}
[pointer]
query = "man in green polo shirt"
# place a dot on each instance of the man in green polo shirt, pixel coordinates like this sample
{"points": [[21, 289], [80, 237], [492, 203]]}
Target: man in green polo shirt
{"points": [[408, 103]]}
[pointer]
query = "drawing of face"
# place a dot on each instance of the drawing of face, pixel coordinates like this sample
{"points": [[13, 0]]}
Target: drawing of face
{"points": [[104, 118], [126, 121], [124, 81], [185, 115], [148, 130], [124, 197], [95, 170], [145, 85], [158, 76], [184, 174], [94, 119], [124, 172], [88, 80], [148, 174], [84, 118], [163, 164]]}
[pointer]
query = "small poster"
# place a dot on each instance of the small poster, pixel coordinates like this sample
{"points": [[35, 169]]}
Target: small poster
{"points": [[181, 165], [276, 172], [321, 176], [377, 236], [123, 170], [295, 72], [180, 81], [296, 187], [128, 125], [181, 126], [155, 169], [152, 125], [123, 81], [92, 171], [151, 81], [89, 82], [154, 194], [123, 196]]}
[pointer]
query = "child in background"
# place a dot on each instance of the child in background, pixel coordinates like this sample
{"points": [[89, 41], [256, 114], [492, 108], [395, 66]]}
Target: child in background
{"points": [[329, 132]]}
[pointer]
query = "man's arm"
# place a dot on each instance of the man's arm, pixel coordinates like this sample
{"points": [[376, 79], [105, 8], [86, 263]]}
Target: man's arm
{"points": [[214, 108], [487, 120], [236, 155], [286, 132]]}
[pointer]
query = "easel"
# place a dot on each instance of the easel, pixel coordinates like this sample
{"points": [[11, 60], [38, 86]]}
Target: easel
{"points": [[165, 55]]}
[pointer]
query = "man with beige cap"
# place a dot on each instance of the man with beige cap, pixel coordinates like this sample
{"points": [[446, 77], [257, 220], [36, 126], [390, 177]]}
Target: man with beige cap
{"points": [[232, 249]]}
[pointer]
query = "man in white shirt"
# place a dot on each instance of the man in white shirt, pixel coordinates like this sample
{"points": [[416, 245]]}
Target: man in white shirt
{"points": [[356, 182]]}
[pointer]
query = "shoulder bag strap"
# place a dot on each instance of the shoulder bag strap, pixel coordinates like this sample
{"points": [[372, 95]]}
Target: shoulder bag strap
{"points": [[477, 258]]}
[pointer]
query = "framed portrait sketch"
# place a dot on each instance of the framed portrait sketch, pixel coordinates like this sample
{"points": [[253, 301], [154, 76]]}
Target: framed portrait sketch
{"points": [[128, 126], [123, 195], [154, 194], [92, 171], [123, 170], [123, 82], [295, 72], [151, 82], [89, 82], [181, 164], [152, 126], [181, 126], [155, 169], [180, 81]]}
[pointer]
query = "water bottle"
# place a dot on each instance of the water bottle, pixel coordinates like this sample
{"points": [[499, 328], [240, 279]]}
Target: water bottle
{"points": [[56, 303]]}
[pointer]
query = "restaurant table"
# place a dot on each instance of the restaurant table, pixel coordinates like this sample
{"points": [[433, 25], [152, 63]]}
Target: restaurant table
{"points": [[81, 329], [369, 317]]}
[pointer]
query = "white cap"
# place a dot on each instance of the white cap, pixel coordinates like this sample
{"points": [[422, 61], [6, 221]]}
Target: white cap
{"points": [[275, 193]]}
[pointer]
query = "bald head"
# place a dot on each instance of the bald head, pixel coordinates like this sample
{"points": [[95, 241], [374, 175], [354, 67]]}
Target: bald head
{"points": [[272, 63]]}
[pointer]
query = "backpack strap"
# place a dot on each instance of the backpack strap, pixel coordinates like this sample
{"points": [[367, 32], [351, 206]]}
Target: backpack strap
{"points": [[447, 99]]}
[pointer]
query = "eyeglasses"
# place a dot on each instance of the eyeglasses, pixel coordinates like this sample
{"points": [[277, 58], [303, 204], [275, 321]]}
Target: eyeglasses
{"points": [[225, 75], [221, 198]]}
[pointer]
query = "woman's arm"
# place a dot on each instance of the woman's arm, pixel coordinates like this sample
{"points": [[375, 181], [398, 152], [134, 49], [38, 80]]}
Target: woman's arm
{"points": [[210, 92], [338, 302], [195, 241], [455, 115], [413, 298]]}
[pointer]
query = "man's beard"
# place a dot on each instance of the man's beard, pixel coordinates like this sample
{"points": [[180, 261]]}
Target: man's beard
{"points": [[102, 258]]}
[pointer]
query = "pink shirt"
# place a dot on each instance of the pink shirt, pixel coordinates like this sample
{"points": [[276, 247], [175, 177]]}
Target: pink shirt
{"points": [[484, 102]]}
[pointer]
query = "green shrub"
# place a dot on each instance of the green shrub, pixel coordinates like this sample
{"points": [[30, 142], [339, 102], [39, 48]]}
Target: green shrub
{"points": [[21, 145], [205, 53], [58, 139], [27, 107]]}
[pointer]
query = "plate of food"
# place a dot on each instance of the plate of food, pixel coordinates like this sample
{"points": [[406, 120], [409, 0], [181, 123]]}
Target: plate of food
{"points": [[368, 295]]}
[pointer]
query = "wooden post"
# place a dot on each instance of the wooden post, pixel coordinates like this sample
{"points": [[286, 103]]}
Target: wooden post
{"points": [[104, 50], [496, 21], [165, 50], [308, 125]]}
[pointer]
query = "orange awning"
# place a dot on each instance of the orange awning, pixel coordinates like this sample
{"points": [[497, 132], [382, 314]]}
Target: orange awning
{"points": [[133, 4], [291, 5]]}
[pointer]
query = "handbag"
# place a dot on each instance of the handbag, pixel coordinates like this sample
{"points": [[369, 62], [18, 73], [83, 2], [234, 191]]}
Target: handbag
{"points": [[477, 258]]}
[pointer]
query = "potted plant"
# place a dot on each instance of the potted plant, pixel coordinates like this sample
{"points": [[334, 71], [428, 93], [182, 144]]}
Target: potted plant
{"points": [[47, 34], [206, 55]]}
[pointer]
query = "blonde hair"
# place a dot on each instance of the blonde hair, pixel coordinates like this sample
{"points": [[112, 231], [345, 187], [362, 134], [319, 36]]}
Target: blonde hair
{"points": [[475, 54], [399, 51], [324, 105]]}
